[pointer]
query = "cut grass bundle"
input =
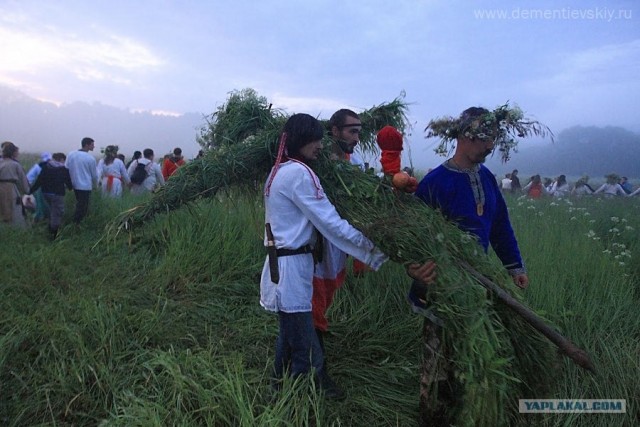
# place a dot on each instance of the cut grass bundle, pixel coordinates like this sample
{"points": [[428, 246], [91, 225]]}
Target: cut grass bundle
{"points": [[244, 114], [494, 355], [244, 162]]}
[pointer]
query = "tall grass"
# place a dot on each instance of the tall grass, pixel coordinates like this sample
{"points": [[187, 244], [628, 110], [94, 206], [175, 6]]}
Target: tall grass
{"points": [[588, 294], [166, 329]]}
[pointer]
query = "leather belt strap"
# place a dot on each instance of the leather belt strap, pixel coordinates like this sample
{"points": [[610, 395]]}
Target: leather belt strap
{"points": [[306, 249]]}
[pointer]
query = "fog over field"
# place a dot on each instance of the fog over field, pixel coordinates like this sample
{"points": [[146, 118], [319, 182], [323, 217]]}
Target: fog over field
{"points": [[145, 73], [37, 126]]}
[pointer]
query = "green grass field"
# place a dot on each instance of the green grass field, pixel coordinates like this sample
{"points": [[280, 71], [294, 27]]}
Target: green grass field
{"points": [[165, 328]]}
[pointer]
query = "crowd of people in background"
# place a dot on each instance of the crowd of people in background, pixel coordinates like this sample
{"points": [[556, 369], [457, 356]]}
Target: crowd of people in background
{"points": [[42, 189], [560, 188]]}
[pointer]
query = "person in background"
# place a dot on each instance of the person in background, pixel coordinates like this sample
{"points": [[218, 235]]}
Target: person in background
{"points": [[54, 179], [344, 129], [560, 187], [626, 185], [611, 188], [582, 187], [171, 164], [154, 177], [2, 147], [84, 176], [505, 184], [13, 184], [136, 155], [296, 206], [112, 173], [42, 208], [516, 187], [534, 188]]}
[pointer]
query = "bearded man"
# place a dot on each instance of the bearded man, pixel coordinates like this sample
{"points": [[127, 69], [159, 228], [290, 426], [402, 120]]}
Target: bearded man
{"points": [[467, 193]]}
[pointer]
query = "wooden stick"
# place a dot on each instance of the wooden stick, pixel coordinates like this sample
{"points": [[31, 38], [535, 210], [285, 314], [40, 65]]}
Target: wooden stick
{"points": [[579, 356]]}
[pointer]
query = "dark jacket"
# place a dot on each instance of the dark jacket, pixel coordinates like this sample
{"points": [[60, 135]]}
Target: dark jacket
{"points": [[53, 179]]}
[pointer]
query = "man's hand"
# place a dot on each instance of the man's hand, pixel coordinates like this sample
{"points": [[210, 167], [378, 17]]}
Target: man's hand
{"points": [[521, 281], [423, 273]]}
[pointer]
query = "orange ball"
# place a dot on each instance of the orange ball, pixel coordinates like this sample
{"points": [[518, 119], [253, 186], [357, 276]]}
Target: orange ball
{"points": [[400, 180]]}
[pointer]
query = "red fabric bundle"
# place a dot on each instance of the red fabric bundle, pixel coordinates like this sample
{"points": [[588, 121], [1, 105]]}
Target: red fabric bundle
{"points": [[389, 139], [390, 161], [390, 142]]}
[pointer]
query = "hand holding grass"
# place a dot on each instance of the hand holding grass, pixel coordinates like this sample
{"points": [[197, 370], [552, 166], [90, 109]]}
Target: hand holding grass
{"points": [[521, 281], [423, 273]]}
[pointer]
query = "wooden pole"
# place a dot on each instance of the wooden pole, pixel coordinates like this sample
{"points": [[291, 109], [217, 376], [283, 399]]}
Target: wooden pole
{"points": [[579, 356]]}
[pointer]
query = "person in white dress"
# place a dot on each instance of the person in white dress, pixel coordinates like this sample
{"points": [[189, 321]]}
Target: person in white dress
{"points": [[611, 188], [560, 187], [112, 173], [582, 187]]}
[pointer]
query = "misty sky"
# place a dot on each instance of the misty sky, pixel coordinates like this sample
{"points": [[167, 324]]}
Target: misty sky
{"points": [[563, 62]]}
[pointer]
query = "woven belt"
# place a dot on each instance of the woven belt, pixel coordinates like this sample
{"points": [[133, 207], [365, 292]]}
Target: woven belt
{"points": [[306, 249]]}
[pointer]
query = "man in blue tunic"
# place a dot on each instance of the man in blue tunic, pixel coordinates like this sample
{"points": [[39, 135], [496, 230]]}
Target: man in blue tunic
{"points": [[467, 193]]}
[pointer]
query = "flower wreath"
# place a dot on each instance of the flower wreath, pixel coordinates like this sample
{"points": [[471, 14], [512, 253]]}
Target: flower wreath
{"points": [[503, 125], [110, 150]]}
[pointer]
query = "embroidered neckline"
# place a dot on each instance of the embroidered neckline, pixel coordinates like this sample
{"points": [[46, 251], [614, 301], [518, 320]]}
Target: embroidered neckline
{"points": [[473, 173], [451, 165], [314, 177]]}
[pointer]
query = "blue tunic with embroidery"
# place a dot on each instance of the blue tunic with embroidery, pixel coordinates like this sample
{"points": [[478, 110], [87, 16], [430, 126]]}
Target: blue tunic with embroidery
{"points": [[471, 198]]}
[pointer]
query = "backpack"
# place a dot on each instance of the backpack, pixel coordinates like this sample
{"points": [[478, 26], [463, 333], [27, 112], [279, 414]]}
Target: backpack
{"points": [[139, 174]]}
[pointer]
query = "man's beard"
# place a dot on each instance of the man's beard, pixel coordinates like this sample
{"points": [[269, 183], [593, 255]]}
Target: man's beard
{"points": [[345, 147], [485, 155], [480, 157]]}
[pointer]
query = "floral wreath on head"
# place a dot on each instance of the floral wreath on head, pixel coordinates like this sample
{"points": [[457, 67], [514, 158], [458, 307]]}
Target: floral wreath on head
{"points": [[110, 150], [503, 125], [582, 180], [612, 178]]}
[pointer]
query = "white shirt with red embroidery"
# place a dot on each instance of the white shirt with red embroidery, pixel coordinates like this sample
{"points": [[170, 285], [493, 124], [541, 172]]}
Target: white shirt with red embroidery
{"points": [[295, 207]]}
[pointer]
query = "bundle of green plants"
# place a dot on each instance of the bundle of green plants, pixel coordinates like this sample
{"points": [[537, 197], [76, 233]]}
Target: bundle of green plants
{"points": [[494, 355], [244, 114], [241, 145]]}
